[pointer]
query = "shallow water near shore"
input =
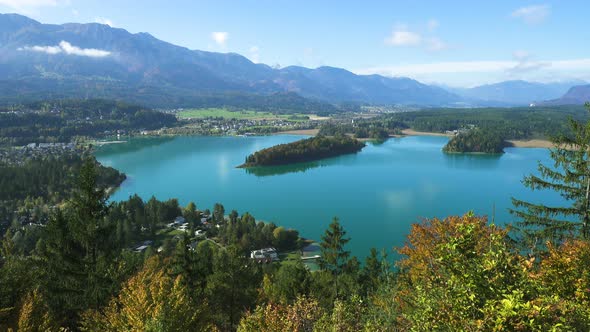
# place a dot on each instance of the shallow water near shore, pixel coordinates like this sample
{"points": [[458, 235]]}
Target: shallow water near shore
{"points": [[377, 193]]}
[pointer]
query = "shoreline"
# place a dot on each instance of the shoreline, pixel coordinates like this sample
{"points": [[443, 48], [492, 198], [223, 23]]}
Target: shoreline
{"points": [[533, 143], [302, 132], [412, 132], [512, 143]]}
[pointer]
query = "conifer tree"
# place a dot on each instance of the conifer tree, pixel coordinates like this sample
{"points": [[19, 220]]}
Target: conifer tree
{"points": [[334, 257], [570, 177], [78, 252]]}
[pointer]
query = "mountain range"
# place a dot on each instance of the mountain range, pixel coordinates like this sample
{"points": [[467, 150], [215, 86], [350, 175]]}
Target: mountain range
{"points": [[515, 93], [94, 60]]}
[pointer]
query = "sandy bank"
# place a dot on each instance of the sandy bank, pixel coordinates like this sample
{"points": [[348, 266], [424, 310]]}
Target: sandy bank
{"points": [[412, 132], [308, 132], [533, 143]]}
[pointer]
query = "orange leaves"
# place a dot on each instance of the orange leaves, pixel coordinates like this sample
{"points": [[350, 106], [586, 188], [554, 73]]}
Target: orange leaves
{"points": [[434, 239]]}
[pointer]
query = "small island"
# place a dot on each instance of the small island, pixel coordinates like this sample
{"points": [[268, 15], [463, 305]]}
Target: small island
{"points": [[306, 150], [476, 141]]}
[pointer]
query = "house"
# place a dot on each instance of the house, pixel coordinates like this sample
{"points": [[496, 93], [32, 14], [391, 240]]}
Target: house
{"points": [[265, 255], [271, 252], [141, 248], [180, 220], [200, 232]]}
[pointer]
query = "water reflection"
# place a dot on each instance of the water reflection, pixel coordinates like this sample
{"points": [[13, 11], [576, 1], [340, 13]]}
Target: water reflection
{"points": [[472, 161], [132, 145], [285, 169]]}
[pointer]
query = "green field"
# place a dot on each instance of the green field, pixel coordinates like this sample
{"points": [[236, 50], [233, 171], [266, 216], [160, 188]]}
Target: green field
{"points": [[202, 113]]}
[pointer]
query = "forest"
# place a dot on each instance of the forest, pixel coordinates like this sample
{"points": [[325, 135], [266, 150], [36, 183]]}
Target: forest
{"points": [[64, 120], [378, 130], [511, 123], [31, 186], [81, 272], [475, 141], [314, 148], [94, 265]]}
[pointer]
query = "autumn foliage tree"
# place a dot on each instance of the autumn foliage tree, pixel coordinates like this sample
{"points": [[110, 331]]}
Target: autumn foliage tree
{"points": [[462, 274], [150, 301]]}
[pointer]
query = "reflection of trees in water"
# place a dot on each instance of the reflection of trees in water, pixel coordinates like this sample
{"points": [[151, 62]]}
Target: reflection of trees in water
{"points": [[472, 161], [285, 169], [132, 145]]}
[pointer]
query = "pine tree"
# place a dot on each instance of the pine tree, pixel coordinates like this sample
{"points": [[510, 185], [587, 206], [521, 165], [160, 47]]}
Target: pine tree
{"points": [[334, 257], [232, 287], [78, 252], [570, 177]]}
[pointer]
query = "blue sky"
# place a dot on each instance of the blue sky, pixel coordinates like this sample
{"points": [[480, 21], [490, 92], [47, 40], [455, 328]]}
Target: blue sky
{"points": [[457, 43]]}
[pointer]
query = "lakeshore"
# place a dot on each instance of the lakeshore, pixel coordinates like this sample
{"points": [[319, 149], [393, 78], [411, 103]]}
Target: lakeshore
{"points": [[393, 182], [533, 143]]}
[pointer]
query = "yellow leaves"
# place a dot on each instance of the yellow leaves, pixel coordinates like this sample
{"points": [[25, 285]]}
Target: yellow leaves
{"points": [[149, 299], [299, 316], [34, 315]]}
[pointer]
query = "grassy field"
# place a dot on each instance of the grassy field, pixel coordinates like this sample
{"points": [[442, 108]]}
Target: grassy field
{"points": [[202, 113]]}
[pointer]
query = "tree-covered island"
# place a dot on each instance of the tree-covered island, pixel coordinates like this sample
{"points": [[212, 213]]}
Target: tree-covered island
{"points": [[310, 149], [476, 141]]}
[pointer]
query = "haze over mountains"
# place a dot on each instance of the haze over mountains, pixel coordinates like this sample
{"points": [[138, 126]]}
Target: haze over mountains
{"points": [[95, 60], [516, 92]]}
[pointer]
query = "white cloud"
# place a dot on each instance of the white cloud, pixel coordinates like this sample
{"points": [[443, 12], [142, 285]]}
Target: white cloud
{"points": [[254, 54], [401, 36], [220, 37], [28, 3], [470, 73], [31, 7], [75, 12], [67, 48], [43, 49], [520, 54], [103, 20], [525, 62], [532, 14], [432, 24], [435, 45]]}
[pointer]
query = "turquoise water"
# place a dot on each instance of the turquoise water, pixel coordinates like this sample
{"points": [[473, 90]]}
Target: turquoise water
{"points": [[377, 193]]}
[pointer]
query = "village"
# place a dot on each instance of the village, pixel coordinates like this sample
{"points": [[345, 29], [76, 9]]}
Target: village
{"points": [[206, 227], [234, 127]]}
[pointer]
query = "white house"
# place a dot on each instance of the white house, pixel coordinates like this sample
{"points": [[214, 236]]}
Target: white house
{"points": [[266, 255], [180, 220]]}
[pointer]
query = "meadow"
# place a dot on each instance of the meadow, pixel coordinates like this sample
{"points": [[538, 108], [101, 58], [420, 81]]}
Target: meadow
{"points": [[202, 113]]}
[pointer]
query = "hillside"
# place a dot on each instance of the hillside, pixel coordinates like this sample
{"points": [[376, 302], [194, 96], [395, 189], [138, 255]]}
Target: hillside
{"points": [[97, 61], [577, 95], [515, 93]]}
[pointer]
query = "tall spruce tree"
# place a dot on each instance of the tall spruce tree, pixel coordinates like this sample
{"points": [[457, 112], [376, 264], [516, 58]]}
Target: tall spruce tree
{"points": [[78, 252], [570, 177], [334, 257]]}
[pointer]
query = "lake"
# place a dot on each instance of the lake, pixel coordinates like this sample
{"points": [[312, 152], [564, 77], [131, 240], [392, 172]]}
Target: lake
{"points": [[377, 193]]}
